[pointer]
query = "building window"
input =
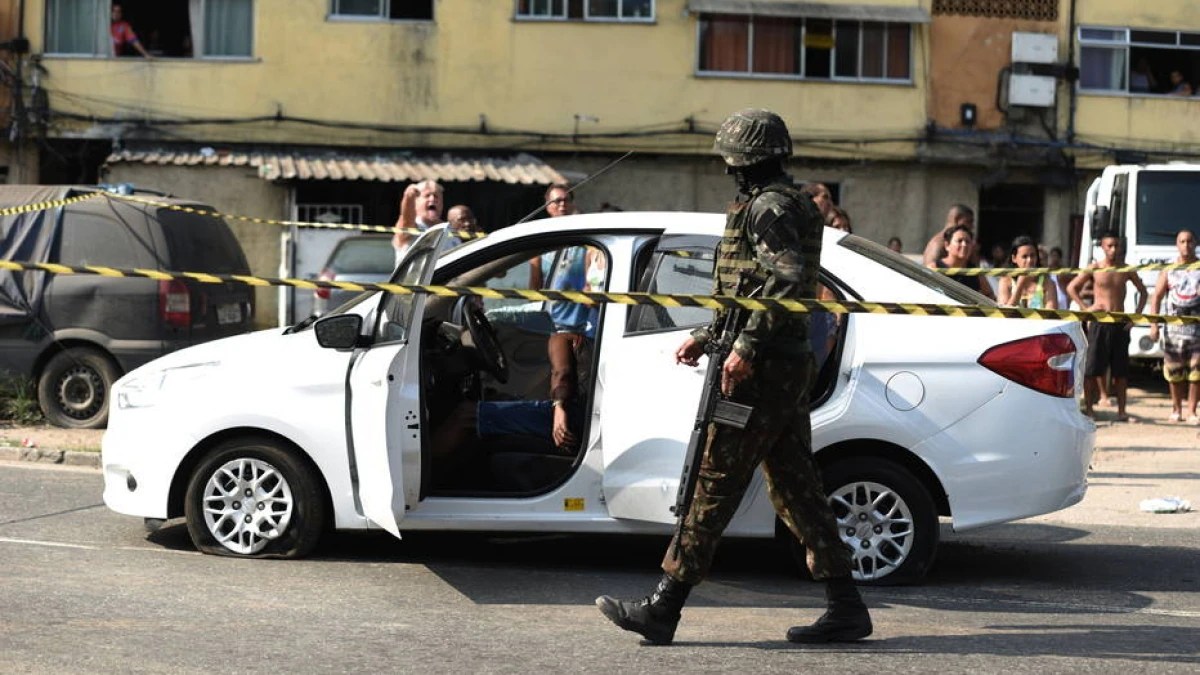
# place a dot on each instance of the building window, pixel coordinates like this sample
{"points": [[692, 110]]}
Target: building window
{"points": [[397, 10], [1140, 62], [586, 10], [164, 28], [816, 49]]}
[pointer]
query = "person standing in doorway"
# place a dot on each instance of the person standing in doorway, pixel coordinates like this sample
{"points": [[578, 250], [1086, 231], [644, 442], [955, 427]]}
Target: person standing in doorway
{"points": [[772, 237]]}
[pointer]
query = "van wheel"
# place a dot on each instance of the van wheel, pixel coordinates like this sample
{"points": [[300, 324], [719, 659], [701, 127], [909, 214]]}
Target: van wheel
{"points": [[75, 386], [887, 519], [251, 497]]}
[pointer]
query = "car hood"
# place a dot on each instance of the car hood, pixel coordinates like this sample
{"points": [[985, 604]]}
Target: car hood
{"points": [[226, 351]]}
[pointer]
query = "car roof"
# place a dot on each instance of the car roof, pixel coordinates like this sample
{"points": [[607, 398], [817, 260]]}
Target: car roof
{"points": [[664, 222]]}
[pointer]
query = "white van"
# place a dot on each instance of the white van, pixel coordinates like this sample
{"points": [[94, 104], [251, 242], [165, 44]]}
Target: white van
{"points": [[1145, 205]]}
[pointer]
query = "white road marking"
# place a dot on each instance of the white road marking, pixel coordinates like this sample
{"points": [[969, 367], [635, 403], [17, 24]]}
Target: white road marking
{"points": [[86, 547], [58, 544]]}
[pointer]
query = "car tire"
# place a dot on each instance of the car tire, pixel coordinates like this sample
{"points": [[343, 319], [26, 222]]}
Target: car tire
{"points": [[75, 386], [285, 516], [885, 549]]}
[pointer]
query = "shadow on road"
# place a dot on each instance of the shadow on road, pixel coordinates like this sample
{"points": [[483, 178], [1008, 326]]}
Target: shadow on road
{"points": [[1147, 644]]}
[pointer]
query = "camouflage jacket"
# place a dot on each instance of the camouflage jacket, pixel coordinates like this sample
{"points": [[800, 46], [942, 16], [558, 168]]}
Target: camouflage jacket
{"points": [[773, 242]]}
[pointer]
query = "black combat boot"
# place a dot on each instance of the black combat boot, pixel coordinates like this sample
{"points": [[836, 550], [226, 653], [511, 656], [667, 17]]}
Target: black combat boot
{"points": [[846, 620], [653, 617]]}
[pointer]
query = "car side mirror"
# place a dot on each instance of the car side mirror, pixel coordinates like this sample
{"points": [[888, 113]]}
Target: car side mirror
{"points": [[342, 331]]}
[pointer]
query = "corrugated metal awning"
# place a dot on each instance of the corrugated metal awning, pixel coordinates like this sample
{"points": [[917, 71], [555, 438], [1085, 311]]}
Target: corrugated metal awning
{"points": [[812, 10], [519, 169]]}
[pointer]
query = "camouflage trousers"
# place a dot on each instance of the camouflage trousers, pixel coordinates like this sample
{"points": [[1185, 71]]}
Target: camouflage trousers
{"points": [[779, 437]]}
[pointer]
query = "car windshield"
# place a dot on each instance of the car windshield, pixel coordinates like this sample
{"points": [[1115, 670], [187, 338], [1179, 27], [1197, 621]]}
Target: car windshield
{"points": [[364, 255], [934, 281], [1165, 205]]}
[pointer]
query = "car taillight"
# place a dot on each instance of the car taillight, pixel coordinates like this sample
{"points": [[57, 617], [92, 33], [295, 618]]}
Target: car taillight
{"points": [[174, 303], [1044, 363], [325, 275]]}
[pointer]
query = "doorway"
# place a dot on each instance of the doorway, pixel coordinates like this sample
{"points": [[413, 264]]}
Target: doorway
{"points": [[1007, 211]]}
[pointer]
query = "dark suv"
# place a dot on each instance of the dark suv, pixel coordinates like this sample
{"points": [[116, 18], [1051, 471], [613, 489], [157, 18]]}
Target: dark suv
{"points": [[76, 334]]}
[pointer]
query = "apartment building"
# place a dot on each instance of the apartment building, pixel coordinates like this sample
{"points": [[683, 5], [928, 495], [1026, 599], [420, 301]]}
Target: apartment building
{"points": [[327, 108]]}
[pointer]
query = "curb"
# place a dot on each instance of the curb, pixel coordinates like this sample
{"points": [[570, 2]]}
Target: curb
{"points": [[90, 460]]}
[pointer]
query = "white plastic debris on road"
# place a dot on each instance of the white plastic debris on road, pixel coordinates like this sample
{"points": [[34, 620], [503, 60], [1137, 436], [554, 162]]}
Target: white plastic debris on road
{"points": [[1166, 505]]}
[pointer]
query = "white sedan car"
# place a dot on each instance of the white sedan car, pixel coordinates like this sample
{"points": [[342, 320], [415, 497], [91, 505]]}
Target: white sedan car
{"points": [[265, 441]]}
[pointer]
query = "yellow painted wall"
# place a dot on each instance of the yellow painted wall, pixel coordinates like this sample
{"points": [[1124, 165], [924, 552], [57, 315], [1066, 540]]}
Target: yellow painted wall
{"points": [[1166, 14], [967, 56], [1156, 122], [475, 59]]}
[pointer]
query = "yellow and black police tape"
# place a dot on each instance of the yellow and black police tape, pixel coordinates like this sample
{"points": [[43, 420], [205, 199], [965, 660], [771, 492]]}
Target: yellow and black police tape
{"points": [[598, 298], [42, 206], [358, 227]]}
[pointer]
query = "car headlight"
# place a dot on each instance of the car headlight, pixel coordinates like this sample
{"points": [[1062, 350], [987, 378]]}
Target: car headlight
{"points": [[145, 391]]}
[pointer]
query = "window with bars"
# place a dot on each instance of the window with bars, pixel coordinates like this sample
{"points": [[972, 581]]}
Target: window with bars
{"points": [[1139, 61], [805, 48], [586, 10], [1036, 10]]}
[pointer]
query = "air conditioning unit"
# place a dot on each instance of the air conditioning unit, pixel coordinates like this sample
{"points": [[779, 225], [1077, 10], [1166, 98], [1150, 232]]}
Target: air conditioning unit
{"points": [[1034, 48], [1035, 91]]}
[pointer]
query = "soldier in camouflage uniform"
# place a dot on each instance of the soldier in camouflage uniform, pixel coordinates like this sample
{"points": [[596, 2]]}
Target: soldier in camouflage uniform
{"points": [[772, 241]]}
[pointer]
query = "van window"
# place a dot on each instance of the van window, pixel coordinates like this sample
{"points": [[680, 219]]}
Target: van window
{"points": [[89, 238], [198, 243], [1166, 203]]}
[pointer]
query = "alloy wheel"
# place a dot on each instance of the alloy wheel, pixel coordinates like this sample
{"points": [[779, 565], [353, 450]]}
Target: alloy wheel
{"points": [[247, 503], [876, 524]]}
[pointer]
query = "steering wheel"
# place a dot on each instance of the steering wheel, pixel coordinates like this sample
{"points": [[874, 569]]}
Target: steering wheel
{"points": [[487, 344]]}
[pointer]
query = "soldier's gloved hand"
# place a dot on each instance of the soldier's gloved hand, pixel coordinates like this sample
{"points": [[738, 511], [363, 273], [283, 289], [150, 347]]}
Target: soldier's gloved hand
{"points": [[689, 352], [735, 371]]}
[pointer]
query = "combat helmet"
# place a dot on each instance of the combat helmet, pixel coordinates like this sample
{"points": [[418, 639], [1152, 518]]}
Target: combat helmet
{"points": [[749, 136]]}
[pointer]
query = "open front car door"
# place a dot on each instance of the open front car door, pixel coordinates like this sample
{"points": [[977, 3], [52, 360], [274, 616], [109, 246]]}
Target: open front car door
{"points": [[384, 394]]}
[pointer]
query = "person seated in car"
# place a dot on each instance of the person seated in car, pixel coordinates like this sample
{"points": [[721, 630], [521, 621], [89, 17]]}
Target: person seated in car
{"points": [[557, 420]]}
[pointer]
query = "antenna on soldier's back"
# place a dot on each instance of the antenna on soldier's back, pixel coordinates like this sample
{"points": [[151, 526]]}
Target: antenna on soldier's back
{"points": [[577, 186]]}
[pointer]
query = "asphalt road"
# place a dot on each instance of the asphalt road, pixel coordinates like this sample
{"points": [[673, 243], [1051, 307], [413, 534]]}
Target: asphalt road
{"points": [[85, 590]]}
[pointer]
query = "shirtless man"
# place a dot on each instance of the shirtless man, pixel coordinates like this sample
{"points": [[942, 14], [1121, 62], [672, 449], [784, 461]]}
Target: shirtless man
{"points": [[935, 250], [1108, 343]]}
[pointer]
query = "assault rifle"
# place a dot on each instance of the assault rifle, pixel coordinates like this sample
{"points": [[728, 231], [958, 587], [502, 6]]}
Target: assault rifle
{"points": [[714, 408]]}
